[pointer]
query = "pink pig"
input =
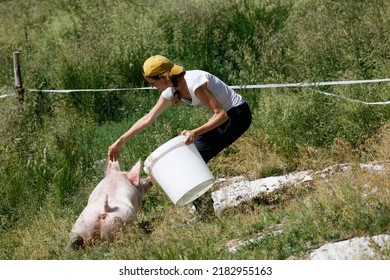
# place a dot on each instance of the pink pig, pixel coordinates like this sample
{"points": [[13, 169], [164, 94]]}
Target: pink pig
{"points": [[114, 202]]}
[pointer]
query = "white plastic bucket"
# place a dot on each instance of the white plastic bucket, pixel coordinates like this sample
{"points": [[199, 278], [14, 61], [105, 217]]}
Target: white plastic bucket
{"points": [[180, 170]]}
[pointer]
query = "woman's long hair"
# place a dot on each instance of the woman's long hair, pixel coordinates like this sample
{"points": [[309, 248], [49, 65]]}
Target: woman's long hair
{"points": [[172, 79], [177, 94]]}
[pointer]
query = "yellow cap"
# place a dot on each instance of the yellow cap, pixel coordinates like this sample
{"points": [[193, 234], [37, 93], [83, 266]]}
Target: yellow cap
{"points": [[158, 64]]}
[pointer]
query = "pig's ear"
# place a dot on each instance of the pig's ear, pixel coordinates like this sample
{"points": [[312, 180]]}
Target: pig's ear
{"points": [[135, 174]]}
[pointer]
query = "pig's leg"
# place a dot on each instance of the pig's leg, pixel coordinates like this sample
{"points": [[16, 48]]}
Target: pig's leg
{"points": [[112, 167]]}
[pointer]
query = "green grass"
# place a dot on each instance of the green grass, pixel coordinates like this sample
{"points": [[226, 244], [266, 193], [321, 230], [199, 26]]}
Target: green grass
{"points": [[53, 146], [343, 207]]}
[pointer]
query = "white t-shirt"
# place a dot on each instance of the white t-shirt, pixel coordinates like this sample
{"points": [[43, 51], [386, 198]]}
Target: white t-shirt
{"points": [[227, 97]]}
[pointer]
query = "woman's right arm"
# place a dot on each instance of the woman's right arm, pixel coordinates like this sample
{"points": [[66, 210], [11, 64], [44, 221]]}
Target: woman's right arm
{"points": [[161, 105]]}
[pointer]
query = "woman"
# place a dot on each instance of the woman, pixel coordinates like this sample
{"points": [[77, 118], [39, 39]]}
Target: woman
{"points": [[230, 114]]}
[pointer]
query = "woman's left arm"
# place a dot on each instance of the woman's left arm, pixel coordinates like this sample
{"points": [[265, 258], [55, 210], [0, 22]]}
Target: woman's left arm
{"points": [[219, 114]]}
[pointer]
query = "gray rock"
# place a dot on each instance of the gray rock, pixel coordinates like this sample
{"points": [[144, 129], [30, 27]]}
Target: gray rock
{"points": [[358, 248], [239, 190]]}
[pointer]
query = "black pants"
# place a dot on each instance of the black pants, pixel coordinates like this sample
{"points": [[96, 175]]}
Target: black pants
{"points": [[211, 143]]}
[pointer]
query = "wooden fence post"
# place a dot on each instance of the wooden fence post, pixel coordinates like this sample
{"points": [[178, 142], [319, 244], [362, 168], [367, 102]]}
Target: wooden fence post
{"points": [[18, 78]]}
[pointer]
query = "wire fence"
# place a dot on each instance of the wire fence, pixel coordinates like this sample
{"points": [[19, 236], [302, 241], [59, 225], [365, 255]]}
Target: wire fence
{"points": [[238, 87]]}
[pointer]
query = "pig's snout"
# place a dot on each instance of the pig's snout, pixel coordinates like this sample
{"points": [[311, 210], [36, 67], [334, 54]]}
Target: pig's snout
{"points": [[76, 243]]}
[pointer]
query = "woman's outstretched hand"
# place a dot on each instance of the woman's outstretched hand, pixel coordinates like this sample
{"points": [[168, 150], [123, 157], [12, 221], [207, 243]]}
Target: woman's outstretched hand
{"points": [[113, 152]]}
